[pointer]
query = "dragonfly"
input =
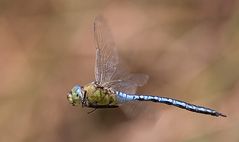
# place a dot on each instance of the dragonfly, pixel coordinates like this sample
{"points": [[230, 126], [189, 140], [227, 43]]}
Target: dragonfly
{"points": [[114, 85]]}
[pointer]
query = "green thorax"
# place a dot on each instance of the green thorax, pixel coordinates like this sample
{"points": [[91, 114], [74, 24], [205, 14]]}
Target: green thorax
{"points": [[99, 96]]}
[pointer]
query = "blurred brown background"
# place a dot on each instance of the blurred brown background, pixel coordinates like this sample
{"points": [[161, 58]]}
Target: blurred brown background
{"points": [[189, 49]]}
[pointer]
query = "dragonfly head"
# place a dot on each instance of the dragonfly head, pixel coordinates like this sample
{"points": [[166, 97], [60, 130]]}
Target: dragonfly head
{"points": [[76, 95]]}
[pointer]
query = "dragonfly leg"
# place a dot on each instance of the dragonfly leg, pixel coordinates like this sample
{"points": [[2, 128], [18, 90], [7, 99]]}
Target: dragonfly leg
{"points": [[93, 110]]}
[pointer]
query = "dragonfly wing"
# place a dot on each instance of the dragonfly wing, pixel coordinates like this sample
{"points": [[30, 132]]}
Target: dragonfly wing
{"points": [[108, 71], [128, 83], [107, 58]]}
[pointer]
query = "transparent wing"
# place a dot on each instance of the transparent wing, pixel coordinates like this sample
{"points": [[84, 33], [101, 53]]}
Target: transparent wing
{"points": [[107, 58], [128, 83], [108, 71]]}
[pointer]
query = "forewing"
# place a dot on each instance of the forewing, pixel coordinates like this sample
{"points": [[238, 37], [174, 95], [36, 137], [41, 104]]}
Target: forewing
{"points": [[108, 72], [107, 58]]}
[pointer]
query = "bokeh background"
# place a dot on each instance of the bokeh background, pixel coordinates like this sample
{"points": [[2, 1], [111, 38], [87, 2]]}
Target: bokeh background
{"points": [[190, 49]]}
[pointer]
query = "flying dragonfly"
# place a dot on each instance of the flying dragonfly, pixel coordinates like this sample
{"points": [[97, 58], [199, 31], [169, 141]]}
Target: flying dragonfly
{"points": [[113, 85]]}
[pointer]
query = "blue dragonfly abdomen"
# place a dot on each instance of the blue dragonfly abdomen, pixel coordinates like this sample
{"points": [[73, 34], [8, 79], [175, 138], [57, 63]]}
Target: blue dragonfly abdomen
{"points": [[123, 97]]}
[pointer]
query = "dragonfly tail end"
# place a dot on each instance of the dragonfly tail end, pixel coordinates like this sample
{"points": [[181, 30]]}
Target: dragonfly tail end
{"points": [[220, 114]]}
